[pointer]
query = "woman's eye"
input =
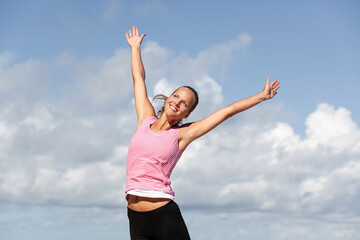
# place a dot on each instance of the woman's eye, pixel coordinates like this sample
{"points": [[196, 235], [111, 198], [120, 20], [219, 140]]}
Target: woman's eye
{"points": [[184, 104], [175, 96]]}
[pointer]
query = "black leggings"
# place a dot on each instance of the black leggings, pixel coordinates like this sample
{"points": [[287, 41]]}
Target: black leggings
{"points": [[164, 223]]}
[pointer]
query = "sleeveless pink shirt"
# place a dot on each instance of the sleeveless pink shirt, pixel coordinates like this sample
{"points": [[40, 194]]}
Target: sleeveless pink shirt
{"points": [[151, 158]]}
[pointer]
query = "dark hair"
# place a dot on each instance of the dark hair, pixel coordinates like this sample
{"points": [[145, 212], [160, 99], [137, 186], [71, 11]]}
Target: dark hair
{"points": [[163, 98]]}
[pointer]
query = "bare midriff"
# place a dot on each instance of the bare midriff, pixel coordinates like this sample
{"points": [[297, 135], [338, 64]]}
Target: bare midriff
{"points": [[144, 204]]}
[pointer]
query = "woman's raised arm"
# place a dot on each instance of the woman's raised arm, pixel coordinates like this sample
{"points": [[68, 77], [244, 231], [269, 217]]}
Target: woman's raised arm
{"points": [[197, 129], [143, 106]]}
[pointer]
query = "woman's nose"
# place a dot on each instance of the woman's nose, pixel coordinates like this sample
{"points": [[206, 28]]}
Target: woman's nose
{"points": [[177, 102]]}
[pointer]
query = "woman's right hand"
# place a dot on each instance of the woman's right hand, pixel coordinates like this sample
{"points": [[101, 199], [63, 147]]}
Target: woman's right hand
{"points": [[133, 37]]}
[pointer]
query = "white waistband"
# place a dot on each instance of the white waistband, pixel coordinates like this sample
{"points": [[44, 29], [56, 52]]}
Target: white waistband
{"points": [[150, 194]]}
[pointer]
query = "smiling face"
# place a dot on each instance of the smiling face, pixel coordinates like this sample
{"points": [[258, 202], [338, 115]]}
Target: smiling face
{"points": [[179, 104]]}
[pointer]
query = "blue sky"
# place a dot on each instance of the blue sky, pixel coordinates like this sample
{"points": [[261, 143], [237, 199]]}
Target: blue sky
{"points": [[276, 170]]}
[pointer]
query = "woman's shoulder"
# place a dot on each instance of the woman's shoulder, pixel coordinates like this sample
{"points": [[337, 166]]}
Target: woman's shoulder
{"points": [[150, 119], [147, 120]]}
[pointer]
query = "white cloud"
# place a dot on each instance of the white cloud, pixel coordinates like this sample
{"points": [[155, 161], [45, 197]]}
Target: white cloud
{"points": [[5, 59], [13, 182], [105, 81], [210, 92], [344, 234], [41, 118], [164, 87], [295, 232], [23, 78], [282, 136], [156, 60], [214, 60], [332, 128], [65, 59]]}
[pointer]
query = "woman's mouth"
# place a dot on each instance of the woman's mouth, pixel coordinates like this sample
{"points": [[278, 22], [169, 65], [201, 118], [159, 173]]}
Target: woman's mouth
{"points": [[173, 108]]}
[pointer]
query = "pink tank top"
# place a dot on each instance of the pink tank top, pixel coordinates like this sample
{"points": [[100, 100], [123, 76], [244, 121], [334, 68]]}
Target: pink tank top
{"points": [[151, 158]]}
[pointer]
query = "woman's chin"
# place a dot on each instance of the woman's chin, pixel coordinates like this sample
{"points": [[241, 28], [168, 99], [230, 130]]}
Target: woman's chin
{"points": [[172, 118]]}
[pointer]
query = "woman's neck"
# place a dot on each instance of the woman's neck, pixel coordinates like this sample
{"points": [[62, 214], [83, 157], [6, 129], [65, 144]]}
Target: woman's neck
{"points": [[162, 124]]}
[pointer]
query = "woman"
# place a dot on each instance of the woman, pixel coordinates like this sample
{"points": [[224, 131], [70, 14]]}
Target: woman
{"points": [[158, 144]]}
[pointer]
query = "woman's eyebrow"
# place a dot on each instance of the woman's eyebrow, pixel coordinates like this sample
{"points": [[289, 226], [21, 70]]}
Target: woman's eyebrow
{"points": [[183, 98]]}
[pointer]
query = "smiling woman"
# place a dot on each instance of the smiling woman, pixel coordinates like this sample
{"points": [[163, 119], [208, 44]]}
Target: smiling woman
{"points": [[158, 144]]}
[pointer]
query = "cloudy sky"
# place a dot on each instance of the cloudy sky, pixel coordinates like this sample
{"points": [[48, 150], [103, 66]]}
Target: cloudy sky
{"points": [[286, 169]]}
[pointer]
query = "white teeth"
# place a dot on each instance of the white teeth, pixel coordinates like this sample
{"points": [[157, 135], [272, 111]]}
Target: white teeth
{"points": [[174, 109]]}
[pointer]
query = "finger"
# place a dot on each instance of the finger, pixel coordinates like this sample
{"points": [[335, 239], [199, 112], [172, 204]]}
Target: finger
{"points": [[276, 86], [267, 80], [275, 90], [136, 31], [127, 36], [274, 83], [142, 36], [130, 35]]}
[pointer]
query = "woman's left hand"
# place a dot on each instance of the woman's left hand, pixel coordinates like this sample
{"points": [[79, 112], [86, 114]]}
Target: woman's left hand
{"points": [[270, 89]]}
